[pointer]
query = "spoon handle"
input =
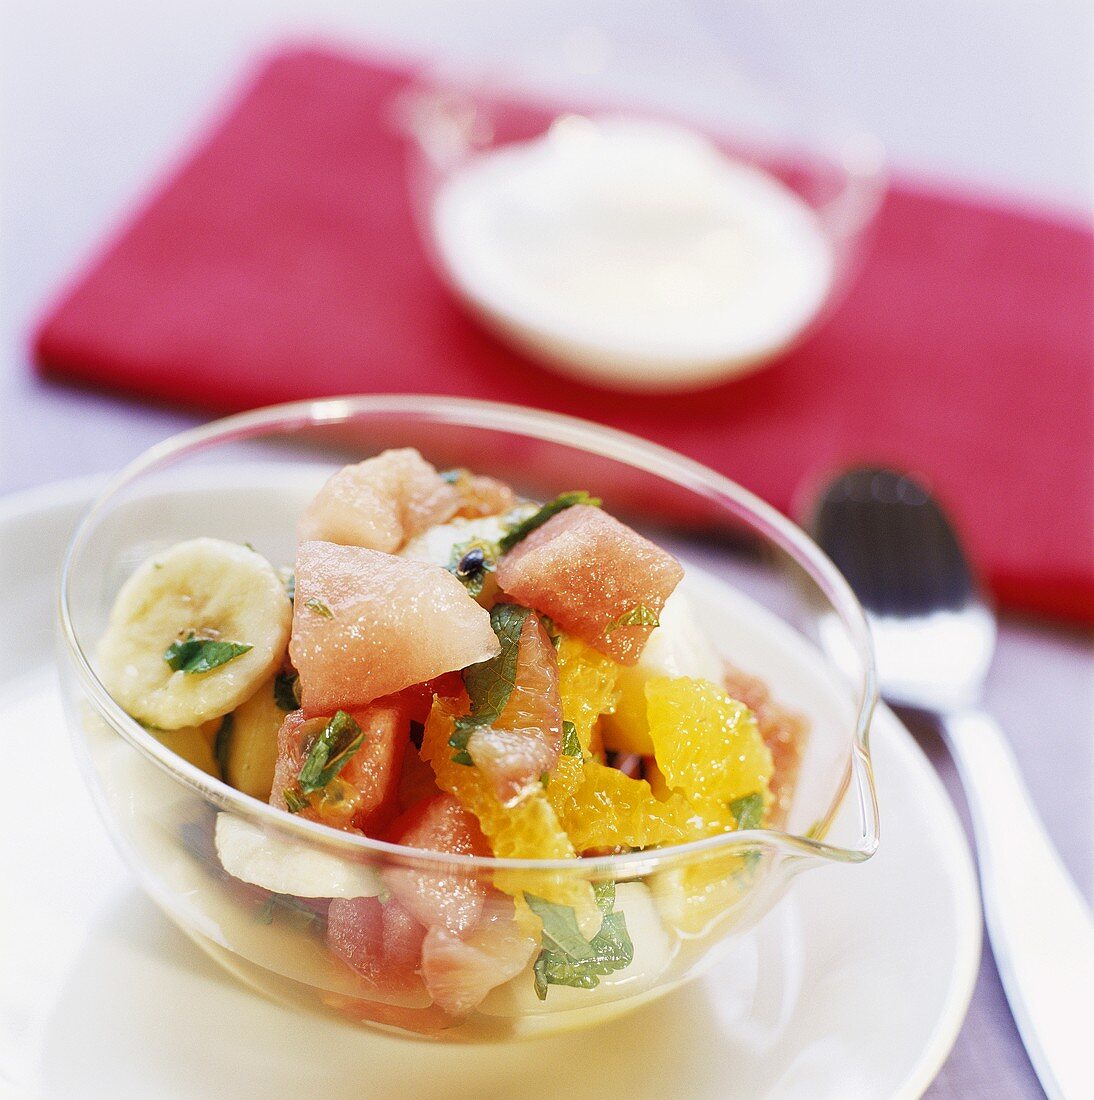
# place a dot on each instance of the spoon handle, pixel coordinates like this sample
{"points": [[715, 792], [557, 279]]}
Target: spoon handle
{"points": [[1041, 929]]}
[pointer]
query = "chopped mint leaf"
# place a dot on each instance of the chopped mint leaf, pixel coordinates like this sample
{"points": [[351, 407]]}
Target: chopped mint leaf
{"points": [[295, 905], [604, 893], [196, 655], [471, 561], [250, 547], [748, 810], [452, 476], [571, 744], [340, 739], [319, 608], [286, 686], [609, 950], [525, 527], [490, 683], [458, 741], [223, 743], [639, 615], [560, 930], [290, 584], [294, 800]]}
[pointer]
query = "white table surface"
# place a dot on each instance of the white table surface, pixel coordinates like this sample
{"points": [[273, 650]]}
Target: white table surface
{"points": [[994, 94]]}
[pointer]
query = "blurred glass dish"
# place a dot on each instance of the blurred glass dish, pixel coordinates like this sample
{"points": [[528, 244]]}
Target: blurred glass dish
{"points": [[763, 590], [653, 215]]}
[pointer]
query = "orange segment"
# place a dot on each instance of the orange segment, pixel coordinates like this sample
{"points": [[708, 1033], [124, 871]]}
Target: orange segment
{"points": [[707, 746], [587, 686], [609, 809], [529, 829]]}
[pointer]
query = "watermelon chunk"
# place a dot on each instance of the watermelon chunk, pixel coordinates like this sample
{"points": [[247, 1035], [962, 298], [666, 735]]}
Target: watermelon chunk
{"points": [[364, 795], [442, 897], [459, 971], [367, 624], [379, 503], [595, 577], [379, 940]]}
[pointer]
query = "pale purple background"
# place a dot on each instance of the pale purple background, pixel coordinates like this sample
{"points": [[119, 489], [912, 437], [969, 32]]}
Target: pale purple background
{"points": [[995, 94]]}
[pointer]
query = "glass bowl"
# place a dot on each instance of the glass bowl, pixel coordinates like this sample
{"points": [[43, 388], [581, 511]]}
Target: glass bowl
{"points": [[764, 591], [596, 256]]}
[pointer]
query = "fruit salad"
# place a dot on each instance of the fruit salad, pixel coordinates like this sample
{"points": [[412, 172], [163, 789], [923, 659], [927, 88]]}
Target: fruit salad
{"points": [[453, 669]]}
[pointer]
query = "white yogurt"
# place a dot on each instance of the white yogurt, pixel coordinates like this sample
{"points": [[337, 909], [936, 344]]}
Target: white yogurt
{"points": [[633, 251]]}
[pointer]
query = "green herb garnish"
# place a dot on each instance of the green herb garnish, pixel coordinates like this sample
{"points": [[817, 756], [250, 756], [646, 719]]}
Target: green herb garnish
{"points": [[319, 608], [196, 655], [526, 526], [331, 752], [567, 958], [452, 476], [223, 743], [748, 810], [286, 686], [490, 683], [571, 743], [290, 585], [294, 800], [264, 915], [639, 615], [560, 929], [471, 561]]}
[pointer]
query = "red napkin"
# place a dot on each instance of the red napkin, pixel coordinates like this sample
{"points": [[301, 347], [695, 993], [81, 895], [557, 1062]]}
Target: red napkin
{"points": [[280, 262]]}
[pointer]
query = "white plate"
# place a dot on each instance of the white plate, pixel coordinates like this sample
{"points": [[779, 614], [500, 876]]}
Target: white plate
{"points": [[854, 986]]}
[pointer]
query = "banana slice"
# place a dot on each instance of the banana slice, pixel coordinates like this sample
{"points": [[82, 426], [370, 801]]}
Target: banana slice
{"points": [[195, 744], [247, 745], [286, 866], [205, 589]]}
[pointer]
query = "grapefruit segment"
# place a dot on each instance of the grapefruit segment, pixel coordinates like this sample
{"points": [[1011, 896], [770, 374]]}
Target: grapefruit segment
{"points": [[521, 745], [595, 577], [367, 624], [459, 971], [381, 941], [480, 495], [379, 503]]}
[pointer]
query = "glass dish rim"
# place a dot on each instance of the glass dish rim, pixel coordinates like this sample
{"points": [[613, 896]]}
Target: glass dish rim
{"points": [[581, 434]]}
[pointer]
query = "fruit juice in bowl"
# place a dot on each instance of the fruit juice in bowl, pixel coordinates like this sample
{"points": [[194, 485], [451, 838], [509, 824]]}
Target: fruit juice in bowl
{"points": [[458, 719]]}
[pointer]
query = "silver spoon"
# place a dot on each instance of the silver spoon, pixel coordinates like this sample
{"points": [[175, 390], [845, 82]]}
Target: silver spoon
{"points": [[934, 635]]}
